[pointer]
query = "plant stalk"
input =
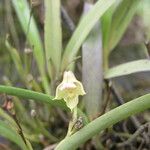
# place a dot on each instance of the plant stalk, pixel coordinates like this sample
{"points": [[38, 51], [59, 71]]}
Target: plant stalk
{"points": [[112, 117], [28, 94]]}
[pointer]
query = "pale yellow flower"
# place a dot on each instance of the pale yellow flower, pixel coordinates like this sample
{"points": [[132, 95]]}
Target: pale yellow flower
{"points": [[69, 90]]}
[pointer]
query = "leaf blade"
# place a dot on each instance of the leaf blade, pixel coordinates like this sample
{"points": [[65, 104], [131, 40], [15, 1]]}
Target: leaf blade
{"points": [[53, 34], [122, 16], [22, 10], [92, 78], [83, 30], [128, 68], [10, 134]]}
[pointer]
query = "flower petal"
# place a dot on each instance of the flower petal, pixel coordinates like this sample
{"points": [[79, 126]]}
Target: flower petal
{"points": [[79, 89], [59, 93], [69, 77], [72, 103]]}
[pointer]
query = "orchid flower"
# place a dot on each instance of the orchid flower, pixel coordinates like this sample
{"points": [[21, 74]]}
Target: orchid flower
{"points": [[69, 90]]}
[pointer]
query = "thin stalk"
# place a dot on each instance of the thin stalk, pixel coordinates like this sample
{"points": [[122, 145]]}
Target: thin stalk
{"points": [[72, 122], [10, 22], [112, 117]]}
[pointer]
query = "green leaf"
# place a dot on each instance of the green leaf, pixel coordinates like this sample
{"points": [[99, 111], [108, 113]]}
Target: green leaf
{"points": [[108, 119], [114, 23], [5, 116], [16, 59], [92, 78], [128, 68], [22, 10], [53, 35], [12, 135], [105, 26], [145, 14], [83, 29], [120, 21]]}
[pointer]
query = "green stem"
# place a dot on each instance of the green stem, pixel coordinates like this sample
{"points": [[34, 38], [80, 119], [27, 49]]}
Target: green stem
{"points": [[112, 117], [28, 94], [72, 122], [69, 129], [75, 114]]}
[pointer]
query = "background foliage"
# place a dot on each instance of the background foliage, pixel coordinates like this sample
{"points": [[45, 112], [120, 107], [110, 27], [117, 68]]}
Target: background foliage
{"points": [[104, 42]]}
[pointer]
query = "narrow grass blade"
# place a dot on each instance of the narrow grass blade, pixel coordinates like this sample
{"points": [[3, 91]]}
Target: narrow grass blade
{"points": [[53, 35], [83, 29], [11, 124], [16, 59], [92, 69], [30, 29], [105, 26], [12, 135], [145, 14], [128, 68], [10, 21], [108, 119], [5, 116], [121, 19]]}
